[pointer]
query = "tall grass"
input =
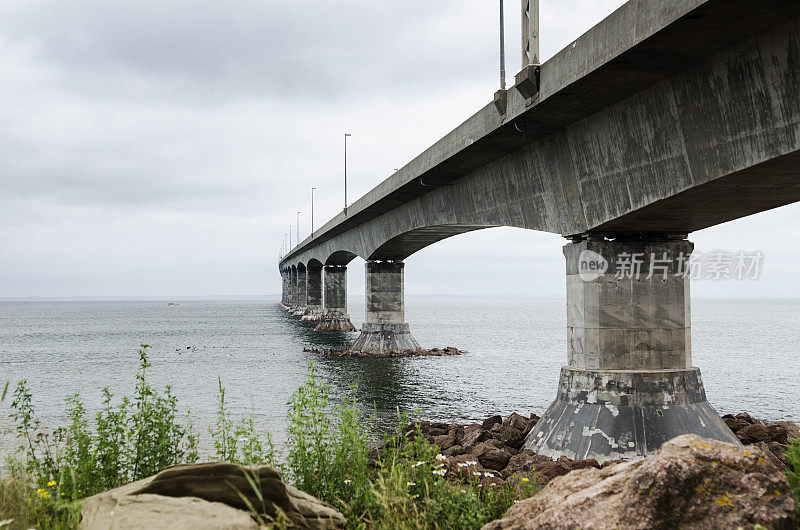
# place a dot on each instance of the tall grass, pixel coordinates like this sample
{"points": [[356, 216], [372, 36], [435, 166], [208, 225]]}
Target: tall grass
{"points": [[793, 473], [404, 485]]}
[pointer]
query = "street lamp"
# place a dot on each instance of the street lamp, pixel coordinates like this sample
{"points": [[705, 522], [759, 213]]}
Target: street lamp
{"points": [[298, 228], [346, 135], [312, 211]]}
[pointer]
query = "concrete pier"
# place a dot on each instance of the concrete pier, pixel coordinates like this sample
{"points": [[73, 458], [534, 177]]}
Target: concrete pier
{"points": [[385, 328], [300, 286], [630, 385], [314, 309], [335, 317], [292, 289]]}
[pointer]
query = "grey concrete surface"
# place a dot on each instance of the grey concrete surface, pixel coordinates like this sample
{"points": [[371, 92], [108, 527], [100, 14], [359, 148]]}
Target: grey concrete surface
{"points": [[335, 317], [385, 329]]}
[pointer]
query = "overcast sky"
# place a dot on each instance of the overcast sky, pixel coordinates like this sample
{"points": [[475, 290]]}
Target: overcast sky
{"points": [[158, 148]]}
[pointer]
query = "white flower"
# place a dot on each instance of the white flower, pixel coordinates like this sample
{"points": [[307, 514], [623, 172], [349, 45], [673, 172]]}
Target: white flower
{"points": [[471, 463], [441, 458], [411, 483], [439, 472], [420, 463], [463, 491], [476, 473], [347, 481], [6, 522], [489, 474]]}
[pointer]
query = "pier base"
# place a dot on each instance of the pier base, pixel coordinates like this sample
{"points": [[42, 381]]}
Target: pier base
{"points": [[380, 338], [624, 414], [385, 329], [630, 385]]}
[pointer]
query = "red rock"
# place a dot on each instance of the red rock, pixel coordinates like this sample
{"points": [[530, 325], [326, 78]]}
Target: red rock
{"points": [[473, 435], [491, 421], [491, 457]]}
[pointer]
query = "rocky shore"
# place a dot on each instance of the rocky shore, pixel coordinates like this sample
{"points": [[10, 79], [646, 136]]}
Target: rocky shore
{"points": [[435, 352], [494, 447]]}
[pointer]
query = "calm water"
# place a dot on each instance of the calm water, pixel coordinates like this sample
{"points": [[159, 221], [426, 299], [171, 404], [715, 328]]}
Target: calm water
{"points": [[747, 351]]}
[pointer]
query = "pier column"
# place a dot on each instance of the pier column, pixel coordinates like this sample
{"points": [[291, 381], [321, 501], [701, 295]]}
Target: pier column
{"points": [[300, 308], [385, 328], [313, 294], [284, 289], [335, 317], [292, 289], [629, 385]]}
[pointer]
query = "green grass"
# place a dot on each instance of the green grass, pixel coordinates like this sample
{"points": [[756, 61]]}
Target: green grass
{"points": [[327, 455], [793, 474]]}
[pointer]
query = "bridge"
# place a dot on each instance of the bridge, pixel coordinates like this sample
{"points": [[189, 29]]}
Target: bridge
{"points": [[663, 119]]}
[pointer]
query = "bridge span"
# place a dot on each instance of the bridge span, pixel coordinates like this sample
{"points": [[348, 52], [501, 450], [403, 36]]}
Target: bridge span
{"points": [[663, 119]]}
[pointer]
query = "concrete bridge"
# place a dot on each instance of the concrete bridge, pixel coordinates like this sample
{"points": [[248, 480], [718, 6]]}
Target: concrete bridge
{"points": [[663, 119]]}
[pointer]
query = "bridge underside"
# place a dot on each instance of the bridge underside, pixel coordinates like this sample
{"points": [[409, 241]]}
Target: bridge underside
{"points": [[666, 118]]}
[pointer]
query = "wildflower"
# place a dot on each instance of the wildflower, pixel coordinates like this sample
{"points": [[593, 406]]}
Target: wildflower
{"points": [[463, 491], [411, 483], [516, 502], [6, 522], [347, 481], [439, 472], [476, 473], [43, 493], [441, 457], [525, 479], [415, 496], [419, 463], [471, 463], [51, 483]]}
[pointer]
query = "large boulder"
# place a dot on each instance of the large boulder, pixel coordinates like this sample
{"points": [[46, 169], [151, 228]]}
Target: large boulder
{"points": [[212, 495], [690, 482]]}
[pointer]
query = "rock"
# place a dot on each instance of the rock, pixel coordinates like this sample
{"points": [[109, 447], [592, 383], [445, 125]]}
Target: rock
{"points": [[444, 441], [690, 482], [511, 436], [473, 435], [755, 432], [772, 457], [205, 496], [489, 422], [465, 467], [745, 416], [523, 462], [792, 430], [491, 457], [455, 450], [547, 471], [516, 421], [735, 424]]}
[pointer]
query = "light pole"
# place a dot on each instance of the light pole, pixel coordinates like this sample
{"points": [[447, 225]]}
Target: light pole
{"points": [[502, 50], [290, 237], [298, 228], [312, 211], [346, 135]]}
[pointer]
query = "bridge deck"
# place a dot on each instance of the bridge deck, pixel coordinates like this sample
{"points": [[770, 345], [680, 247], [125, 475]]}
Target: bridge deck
{"points": [[640, 44]]}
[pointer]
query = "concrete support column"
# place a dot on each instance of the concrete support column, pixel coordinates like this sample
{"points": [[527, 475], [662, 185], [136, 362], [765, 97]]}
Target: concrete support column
{"points": [[335, 317], [292, 289], [385, 328], [300, 308], [313, 294], [629, 385], [284, 289]]}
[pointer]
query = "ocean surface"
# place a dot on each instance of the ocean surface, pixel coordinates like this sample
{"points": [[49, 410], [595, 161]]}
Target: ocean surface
{"points": [[747, 351]]}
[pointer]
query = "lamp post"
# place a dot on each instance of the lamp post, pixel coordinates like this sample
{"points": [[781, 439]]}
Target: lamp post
{"points": [[290, 238], [346, 135], [502, 50], [312, 211], [298, 228]]}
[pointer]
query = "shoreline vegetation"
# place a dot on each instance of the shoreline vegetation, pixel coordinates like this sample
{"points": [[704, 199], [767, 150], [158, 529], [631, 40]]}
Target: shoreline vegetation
{"points": [[421, 475]]}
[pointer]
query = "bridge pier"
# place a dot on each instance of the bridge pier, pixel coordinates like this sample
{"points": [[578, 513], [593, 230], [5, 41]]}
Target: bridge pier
{"points": [[292, 294], [629, 385], [313, 294], [300, 305], [284, 289], [385, 328], [335, 317]]}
